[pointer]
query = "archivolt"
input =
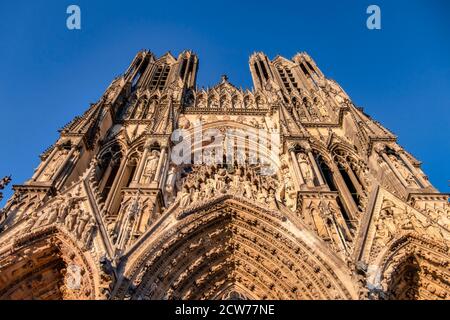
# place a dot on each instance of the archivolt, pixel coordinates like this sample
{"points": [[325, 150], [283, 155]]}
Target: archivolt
{"points": [[38, 265], [230, 249], [414, 267]]}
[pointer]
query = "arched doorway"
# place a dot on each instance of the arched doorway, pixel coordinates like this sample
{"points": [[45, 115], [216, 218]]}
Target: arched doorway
{"points": [[229, 250], [45, 265]]}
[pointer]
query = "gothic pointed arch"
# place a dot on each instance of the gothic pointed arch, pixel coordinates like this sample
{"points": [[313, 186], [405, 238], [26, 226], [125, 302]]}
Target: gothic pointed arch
{"points": [[230, 244], [48, 264], [413, 267]]}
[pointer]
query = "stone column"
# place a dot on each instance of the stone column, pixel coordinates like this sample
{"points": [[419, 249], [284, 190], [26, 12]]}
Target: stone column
{"points": [[44, 166], [354, 179], [346, 195], [63, 165], [316, 168], [162, 157], [297, 171], [394, 169], [414, 171], [138, 174], [117, 179]]}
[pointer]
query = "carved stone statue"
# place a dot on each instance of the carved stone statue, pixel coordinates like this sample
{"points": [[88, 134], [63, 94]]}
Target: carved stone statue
{"points": [[87, 232], [72, 217], [140, 109], [305, 169], [185, 198], [81, 224], [150, 167]]}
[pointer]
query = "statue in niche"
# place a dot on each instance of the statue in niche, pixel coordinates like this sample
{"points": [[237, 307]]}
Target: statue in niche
{"points": [[151, 108], [201, 102], [404, 172], [55, 164], [170, 182], [305, 169], [64, 210], [140, 109], [195, 195], [150, 167]]}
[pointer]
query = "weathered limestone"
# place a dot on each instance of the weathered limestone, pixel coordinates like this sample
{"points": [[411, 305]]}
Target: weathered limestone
{"points": [[335, 210]]}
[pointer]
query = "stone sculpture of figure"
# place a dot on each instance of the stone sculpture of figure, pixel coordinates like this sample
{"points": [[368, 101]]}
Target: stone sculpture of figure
{"points": [[387, 218], [42, 219], [54, 213], [88, 230], [271, 200], [63, 210], [54, 164], [236, 183], [82, 222], [31, 221], [209, 188], [72, 217], [151, 167], [195, 195], [151, 108], [140, 109], [220, 181], [185, 198], [170, 182], [305, 169], [248, 192]]}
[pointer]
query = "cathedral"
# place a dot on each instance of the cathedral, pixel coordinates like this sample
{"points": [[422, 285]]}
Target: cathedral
{"points": [[163, 190]]}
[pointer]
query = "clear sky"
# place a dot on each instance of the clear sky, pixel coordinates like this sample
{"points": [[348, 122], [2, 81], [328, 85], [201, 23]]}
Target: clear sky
{"points": [[399, 74]]}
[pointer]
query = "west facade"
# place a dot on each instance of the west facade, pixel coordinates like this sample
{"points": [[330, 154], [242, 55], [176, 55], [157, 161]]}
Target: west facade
{"points": [[162, 190]]}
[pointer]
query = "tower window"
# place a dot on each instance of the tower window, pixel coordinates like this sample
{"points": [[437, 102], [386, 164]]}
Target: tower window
{"points": [[304, 69]]}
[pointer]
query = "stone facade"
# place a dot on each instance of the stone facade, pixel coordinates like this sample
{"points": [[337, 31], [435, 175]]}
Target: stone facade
{"points": [[346, 214]]}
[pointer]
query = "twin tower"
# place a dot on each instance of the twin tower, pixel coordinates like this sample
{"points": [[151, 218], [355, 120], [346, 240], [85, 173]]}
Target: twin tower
{"points": [[111, 212]]}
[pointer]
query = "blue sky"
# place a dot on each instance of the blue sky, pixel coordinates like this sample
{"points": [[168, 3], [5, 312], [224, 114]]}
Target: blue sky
{"points": [[399, 74]]}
